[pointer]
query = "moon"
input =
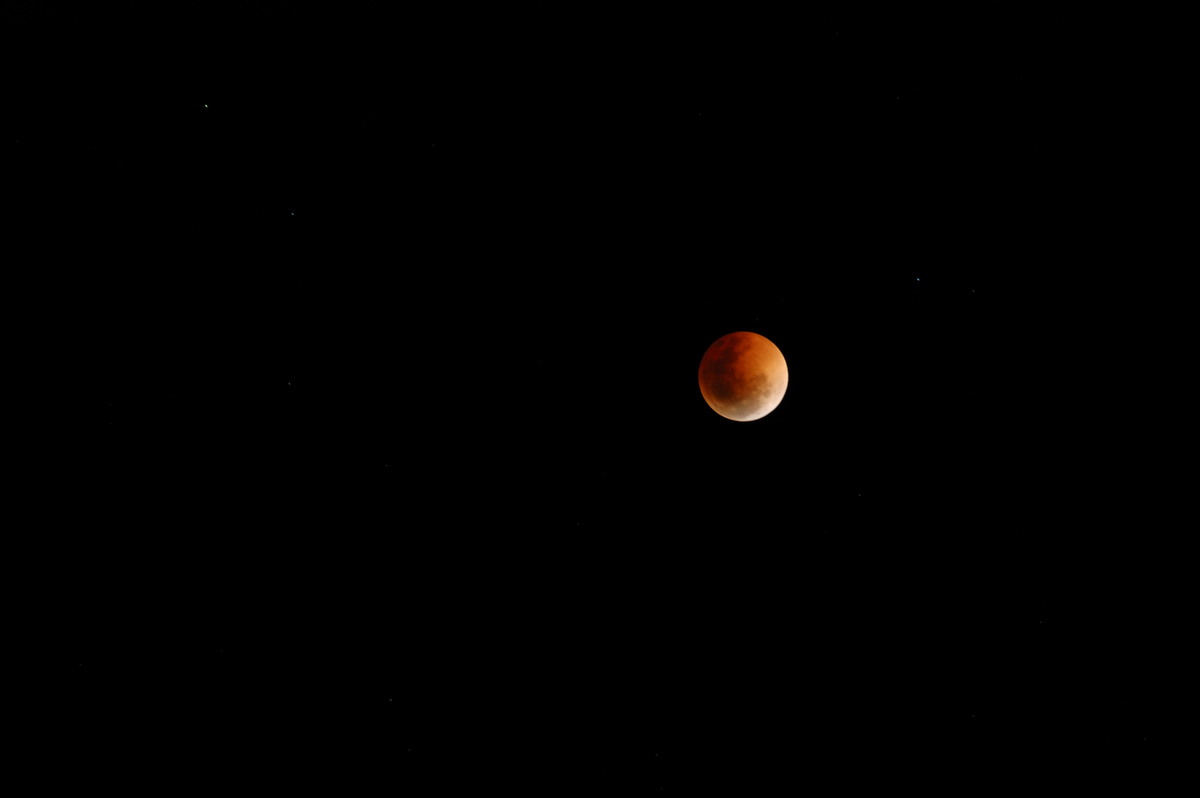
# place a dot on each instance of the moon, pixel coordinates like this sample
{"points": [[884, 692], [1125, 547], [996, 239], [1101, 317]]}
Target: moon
{"points": [[743, 376]]}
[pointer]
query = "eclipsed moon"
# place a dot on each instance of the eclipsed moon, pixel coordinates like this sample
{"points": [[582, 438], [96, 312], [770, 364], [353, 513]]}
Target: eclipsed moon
{"points": [[743, 376]]}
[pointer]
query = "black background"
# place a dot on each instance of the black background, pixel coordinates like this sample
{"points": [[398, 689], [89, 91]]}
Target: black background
{"points": [[391, 466]]}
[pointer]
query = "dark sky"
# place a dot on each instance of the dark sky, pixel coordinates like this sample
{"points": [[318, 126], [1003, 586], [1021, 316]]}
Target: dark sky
{"points": [[393, 466]]}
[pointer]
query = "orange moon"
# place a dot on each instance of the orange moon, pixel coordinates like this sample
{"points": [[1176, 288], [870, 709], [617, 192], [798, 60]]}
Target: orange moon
{"points": [[743, 376]]}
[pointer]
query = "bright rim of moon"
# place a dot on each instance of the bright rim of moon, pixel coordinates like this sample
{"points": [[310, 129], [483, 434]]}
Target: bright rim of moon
{"points": [[743, 376]]}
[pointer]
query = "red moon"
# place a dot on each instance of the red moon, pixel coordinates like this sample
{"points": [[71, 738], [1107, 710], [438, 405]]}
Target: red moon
{"points": [[743, 376]]}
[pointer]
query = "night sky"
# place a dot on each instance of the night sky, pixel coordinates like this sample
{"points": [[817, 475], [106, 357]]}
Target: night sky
{"points": [[391, 465]]}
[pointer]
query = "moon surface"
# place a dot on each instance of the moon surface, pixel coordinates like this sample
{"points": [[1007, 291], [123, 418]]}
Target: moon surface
{"points": [[743, 376]]}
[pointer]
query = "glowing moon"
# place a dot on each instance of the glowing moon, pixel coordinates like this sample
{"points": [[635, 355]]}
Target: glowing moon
{"points": [[743, 376]]}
